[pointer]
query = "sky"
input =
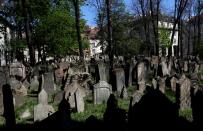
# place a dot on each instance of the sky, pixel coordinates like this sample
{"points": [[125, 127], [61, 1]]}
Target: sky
{"points": [[89, 13]]}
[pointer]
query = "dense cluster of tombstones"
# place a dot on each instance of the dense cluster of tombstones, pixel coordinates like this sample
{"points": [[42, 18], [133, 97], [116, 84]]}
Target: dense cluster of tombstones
{"points": [[73, 81]]}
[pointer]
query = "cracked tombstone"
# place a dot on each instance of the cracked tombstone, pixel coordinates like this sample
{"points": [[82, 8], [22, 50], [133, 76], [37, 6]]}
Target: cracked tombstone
{"points": [[102, 91], [42, 110]]}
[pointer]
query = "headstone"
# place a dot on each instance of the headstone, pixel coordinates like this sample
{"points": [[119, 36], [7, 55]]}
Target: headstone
{"points": [[173, 83], [155, 60], [42, 110], [162, 84], [34, 85], [80, 104], [102, 91], [154, 83], [102, 71], [17, 69], [197, 67], [185, 97], [142, 86], [140, 72], [120, 79], [165, 70], [185, 68], [137, 95], [48, 84]]}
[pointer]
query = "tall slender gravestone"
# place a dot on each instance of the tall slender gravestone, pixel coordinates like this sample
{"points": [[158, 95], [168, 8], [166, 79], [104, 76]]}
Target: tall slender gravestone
{"points": [[42, 110], [102, 71], [120, 79]]}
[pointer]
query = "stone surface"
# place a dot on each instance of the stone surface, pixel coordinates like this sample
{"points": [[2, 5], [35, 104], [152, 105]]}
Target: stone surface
{"points": [[17, 69], [185, 97], [124, 93], [173, 83], [142, 86], [154, 83], [162, 84], [34, 85], [42, 110], [102, 91], [80, 104], [137, 95], [102, 71], [48, 84], [120, 79], [25, 114]]}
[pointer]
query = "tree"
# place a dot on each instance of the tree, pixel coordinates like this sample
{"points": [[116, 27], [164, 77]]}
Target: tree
{"points": [[77, 24]]}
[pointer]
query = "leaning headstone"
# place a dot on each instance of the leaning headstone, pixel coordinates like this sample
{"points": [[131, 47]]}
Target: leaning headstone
{"points": [[42, 110], [48, 85], [120, 79], [173, 83], [102, 91], [185, 97], [80, 104]]}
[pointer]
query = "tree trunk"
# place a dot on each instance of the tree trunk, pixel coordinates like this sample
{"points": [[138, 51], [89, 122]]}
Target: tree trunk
{"points": [[28, 34], [110, 48], [77, 23]]}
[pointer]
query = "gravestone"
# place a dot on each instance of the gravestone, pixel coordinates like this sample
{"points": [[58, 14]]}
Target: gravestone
{"points": [[17, 69], [79, 101], [34, 85], [185, 97], [137, 95], [173, 83], [154, 83], [71, 89], [102, 71], [142, 86], [165, 70], [185, 67], [162, 84], [42, 110], [102, 91], [120, 79], [48, 84], [154, 60], [140, 72]]}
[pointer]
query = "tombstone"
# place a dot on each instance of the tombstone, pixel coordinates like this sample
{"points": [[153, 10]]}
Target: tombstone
{"points": [[140, 72], [71, 89], [102, 71], [124, 93], [185, 97], [197, 67], [137, 95], [142, 86], [34, 85], [154, 83], [154, 60], [26, 84], [165, 70], [42, 110], [173, 83], [25, 114], [120, 79], [162, 84], [17, 69], [102, 91], [48, 84], [79, 102], [185, 66]]}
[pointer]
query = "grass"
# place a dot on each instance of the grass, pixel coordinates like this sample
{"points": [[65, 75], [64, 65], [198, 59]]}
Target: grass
{"points": [[187, 114], [170, 95], [29, 104]]}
